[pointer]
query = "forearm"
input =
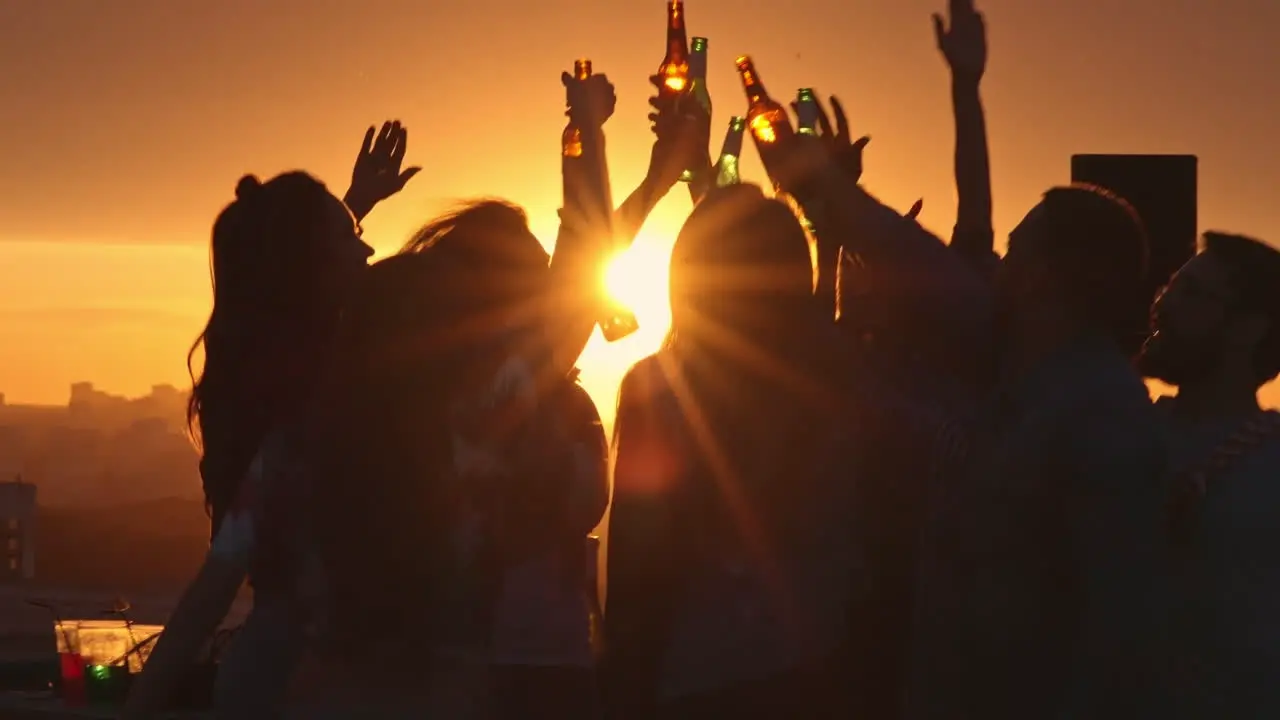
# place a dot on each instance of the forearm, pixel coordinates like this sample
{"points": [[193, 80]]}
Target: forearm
{"points": [[582, 247], [631, 215], [203, 606], [889, 244], [704, 179], [596, 164], [575, 272], [973, 235], [360, 208]]}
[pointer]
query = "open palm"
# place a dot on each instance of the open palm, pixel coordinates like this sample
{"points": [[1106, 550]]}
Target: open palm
{"points": [[838, 139], [963, 41], [377, 174]]}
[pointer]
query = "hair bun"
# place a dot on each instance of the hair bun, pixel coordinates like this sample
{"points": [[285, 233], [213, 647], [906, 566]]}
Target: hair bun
{"points": [[248, 186]]}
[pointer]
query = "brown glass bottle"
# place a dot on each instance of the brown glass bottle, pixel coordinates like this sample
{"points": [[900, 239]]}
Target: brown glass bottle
{"points": [[571, 139], [766, 118], [674, 69]]}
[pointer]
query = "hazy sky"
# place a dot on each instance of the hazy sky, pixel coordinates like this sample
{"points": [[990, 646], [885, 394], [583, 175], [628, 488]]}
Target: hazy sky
{"points": [[124, 125]]}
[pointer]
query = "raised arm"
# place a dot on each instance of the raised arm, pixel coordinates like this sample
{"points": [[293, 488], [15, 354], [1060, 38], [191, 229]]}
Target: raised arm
{"points": [[586, 221], [933, 296], [963, 44], [846, 154], [203, 606], [680, 141]]}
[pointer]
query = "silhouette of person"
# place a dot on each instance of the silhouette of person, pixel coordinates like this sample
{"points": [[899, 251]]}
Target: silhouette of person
{"points": [[729, 564], [1217, 340], [555, 495], [1041, 563], [285, 255], [381, 506]]}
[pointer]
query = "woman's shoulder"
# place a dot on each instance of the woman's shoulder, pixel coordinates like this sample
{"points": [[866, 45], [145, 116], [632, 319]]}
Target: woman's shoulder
{"points": [[648, 378]]}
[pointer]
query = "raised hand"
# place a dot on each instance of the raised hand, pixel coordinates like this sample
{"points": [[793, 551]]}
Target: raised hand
{"points": [[964, 41], [838, 140], [376, 175], [683, 134], [591, 101]]}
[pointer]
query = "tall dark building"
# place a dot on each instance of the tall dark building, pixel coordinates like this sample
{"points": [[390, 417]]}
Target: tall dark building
{"points": [[1163, 189], [17, 531]]}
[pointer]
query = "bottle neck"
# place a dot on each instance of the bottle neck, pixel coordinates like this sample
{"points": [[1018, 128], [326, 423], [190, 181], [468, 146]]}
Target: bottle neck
{"points": [[698, 66], [752, 86], [732, 144]]}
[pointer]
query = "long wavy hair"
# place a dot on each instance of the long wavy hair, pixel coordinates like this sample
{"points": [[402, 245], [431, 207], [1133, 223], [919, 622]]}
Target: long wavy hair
{"points": [[274, 309], [426, 332]]}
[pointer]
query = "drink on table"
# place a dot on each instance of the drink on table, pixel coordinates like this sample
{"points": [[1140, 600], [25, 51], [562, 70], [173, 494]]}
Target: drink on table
{"points": [[571, 140], [807, 111], [698, 85], [674, 69], [727, 165], [766, 118]]}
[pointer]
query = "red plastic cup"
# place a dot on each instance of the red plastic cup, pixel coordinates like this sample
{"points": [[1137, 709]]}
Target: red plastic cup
{"points": [[71, 668]]}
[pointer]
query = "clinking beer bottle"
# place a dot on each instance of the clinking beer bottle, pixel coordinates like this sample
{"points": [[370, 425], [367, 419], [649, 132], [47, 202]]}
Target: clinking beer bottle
{"points": [[698, 85], [698, 74], [807, 111], [727, 165], [571, 139], [617, 322], [766, 118], [674, 69]]}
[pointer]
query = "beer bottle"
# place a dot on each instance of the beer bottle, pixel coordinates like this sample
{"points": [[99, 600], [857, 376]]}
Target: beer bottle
{"points": [[766, 118], [674, 69], [698, 75], [727, 165], [807, 111], [571, 139], [698, 85]]}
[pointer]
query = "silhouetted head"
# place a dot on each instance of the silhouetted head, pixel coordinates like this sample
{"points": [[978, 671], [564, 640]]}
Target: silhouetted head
{"points": [[1078, 258], [1219, 313], [741, 275], [284, 255], [745, 377], [497, 277]]}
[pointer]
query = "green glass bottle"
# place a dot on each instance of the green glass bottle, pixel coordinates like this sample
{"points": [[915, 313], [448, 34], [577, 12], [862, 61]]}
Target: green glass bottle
{"points": [[727, 165]]}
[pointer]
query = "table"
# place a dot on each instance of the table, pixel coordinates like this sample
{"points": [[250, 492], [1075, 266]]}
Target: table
{"points": [[43, 706]]}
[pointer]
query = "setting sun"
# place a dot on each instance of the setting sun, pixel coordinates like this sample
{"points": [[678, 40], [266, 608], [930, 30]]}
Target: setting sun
{"points": [[637, 277]]}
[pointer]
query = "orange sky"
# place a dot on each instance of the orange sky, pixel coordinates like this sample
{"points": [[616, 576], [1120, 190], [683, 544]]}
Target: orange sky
{"points": [[124, 125]]}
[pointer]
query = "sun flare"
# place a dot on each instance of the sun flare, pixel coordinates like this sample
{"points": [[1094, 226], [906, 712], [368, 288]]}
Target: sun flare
{"points": [[637, 278]]}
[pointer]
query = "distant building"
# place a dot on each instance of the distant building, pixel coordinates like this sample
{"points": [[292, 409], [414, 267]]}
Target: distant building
{"points": [[17, 531]]}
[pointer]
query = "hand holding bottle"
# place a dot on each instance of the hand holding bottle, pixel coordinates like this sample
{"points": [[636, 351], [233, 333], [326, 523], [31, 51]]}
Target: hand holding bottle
{"points": [[838, 140], [591, 101], [376, 175], [682, 133], [964, 42]]}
